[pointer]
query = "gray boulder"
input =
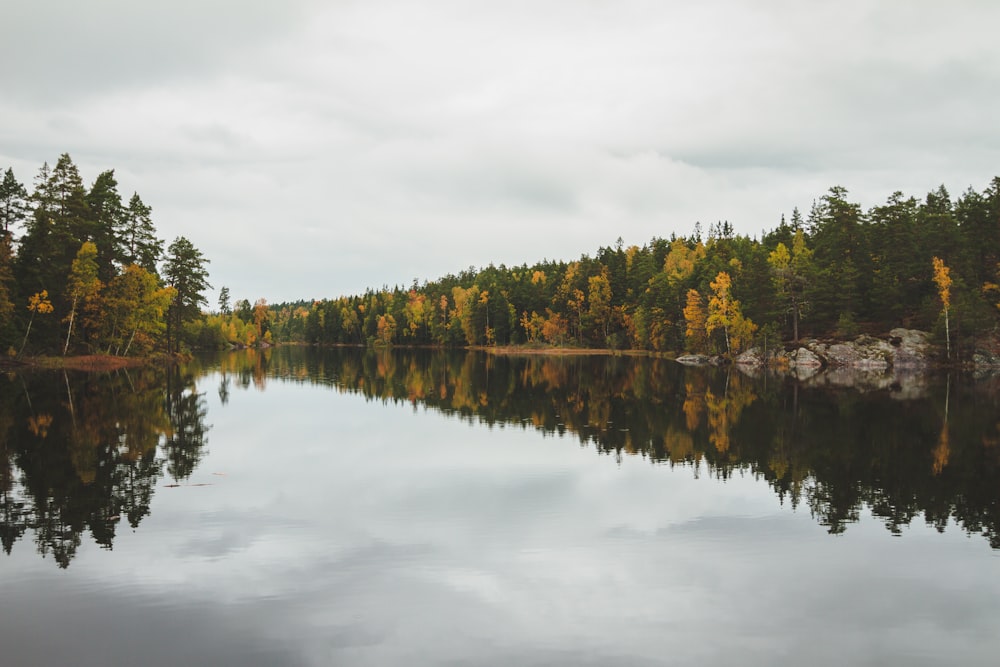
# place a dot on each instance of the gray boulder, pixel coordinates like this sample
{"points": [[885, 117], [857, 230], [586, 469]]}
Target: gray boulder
{"points": [[694, 360], [752, 357], [804, 358], [911, 348]]}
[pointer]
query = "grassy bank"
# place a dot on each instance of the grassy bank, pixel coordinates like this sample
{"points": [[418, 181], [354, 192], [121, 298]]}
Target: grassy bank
{"points": [[88, 362]]}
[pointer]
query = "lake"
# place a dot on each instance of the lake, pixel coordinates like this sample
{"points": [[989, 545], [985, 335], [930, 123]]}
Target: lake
{"points": [[309, 507]]}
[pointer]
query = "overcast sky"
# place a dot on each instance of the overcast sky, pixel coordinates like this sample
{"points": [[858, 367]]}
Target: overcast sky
{"points": [[311, 149]]}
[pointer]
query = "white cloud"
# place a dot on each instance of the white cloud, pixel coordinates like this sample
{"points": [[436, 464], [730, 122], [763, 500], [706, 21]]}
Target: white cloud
{"points": [[327, 148]]}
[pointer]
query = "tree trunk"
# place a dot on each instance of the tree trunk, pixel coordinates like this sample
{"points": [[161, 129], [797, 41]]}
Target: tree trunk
{"points": [[28, 331], [69, 332], [169, 317], [947, 334], [131, 338], [795, 322]]}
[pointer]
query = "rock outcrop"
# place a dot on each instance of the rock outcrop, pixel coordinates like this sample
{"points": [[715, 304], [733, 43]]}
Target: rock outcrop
{"points": [[901, 349], [700, 360], [891, 359], [893, 363]]}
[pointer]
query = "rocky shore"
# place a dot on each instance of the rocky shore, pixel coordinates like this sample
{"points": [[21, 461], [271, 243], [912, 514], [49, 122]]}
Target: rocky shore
{"points": [[895, 361], [901, 349]]}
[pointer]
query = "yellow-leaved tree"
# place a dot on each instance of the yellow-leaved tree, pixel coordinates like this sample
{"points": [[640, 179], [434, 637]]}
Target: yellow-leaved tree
{"points": [[136, 306], [695, 332], [724, 312], [942, 278], [680, 262], [599, 297], [83, 283], [38, 303]]}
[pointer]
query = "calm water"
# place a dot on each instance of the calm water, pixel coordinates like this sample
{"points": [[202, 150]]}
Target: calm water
{"points": [[299, 507]]}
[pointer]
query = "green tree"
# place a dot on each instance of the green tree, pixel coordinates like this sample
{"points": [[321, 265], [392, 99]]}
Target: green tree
{"points": [[184, 270], [896, 261], [138, 236], [13, 202], [978, 218], [54, 233], [7, 295], [105, 205], [224, 307], [842, 258]]}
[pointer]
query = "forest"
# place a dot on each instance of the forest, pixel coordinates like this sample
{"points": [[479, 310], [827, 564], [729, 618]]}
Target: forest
{"points": [[87, 274], [929, 263]]}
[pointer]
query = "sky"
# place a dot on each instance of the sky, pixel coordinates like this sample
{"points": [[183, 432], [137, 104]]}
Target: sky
{"points": [[311, 149]]}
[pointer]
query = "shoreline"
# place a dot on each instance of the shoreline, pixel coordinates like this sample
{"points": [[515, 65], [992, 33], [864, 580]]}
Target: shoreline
{"points": [[517, 350], [82, 362]]}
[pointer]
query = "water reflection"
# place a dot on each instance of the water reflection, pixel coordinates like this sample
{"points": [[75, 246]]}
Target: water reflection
{"points": [[82, 453], [833, 448]]}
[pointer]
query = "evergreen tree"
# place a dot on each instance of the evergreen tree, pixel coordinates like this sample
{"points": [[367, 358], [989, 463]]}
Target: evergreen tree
{"points": [[841, 255], [13, 203], [138, 236], [105, 206], [184, 270], [895, 260], [54, 233], [7, 296], [70, 199], [224, 307]]}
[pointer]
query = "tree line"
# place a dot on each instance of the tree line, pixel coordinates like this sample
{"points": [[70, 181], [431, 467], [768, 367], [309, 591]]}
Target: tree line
{"points": [[87, 273], [82, 271], [929, 263]]}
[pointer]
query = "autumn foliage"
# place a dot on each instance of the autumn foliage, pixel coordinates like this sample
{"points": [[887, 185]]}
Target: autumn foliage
{"points": [[94, 261]]}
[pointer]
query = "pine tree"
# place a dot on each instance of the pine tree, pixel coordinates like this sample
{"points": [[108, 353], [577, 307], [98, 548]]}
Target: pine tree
{"points": [[59, 225], [138, 236], [13, 203], [105, 206], [7, 296], [184, 270], [842, 257], [224, 306]]}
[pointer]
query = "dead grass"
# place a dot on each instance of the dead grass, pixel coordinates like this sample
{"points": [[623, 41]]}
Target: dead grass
{"points": [[88, 362]]}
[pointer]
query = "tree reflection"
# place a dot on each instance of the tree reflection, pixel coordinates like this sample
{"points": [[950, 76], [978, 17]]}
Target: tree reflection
{"points": [[80, 453], [186, 410], [836, 450]]}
